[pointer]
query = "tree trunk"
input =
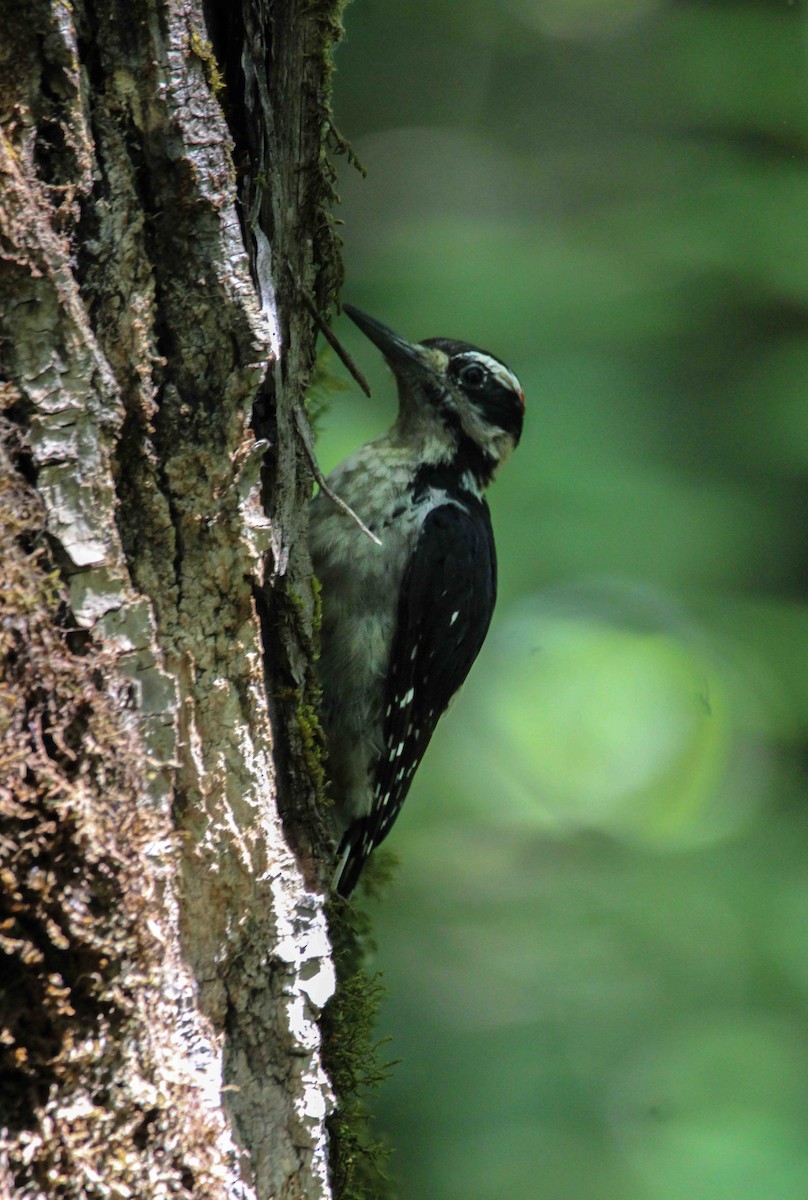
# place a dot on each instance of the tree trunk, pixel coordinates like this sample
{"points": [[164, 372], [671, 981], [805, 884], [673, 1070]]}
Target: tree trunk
{"points": [[164, 233]]}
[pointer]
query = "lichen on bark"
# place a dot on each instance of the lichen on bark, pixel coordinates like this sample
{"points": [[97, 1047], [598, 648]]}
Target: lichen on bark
{"points": [[158, 232]]}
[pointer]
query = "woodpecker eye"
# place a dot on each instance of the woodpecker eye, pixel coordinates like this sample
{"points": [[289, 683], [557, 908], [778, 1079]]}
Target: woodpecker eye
{"points": [[473, 375]]}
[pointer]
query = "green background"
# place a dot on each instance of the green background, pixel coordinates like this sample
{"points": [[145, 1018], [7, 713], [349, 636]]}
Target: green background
{"points": [[595, 945]]}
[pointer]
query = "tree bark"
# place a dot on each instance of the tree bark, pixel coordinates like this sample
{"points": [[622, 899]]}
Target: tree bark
{"points": [[164, 225]]}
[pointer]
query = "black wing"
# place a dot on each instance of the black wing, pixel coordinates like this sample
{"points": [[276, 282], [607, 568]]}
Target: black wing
{"points": [[447, 600]]}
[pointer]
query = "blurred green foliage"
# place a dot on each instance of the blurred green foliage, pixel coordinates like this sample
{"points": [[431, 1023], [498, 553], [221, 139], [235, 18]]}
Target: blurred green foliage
{"points": [[595, 948]]}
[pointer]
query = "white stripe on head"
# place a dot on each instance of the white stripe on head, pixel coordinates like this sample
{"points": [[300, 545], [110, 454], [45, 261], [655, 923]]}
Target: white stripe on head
{"points": [[495, 368]]}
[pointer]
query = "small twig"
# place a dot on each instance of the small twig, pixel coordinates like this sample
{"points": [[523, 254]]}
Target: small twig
{"points": [[303, 430], [334, 342]]}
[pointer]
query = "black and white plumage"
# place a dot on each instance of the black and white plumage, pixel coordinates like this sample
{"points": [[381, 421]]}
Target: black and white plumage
{"points": [[404, 621]]}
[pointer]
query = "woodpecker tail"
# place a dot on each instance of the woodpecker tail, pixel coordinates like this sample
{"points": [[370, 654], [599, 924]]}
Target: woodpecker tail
{"points": [[354, 851]]}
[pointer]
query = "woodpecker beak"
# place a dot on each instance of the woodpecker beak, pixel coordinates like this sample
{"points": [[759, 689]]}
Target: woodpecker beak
{"points": [[395, 349]]}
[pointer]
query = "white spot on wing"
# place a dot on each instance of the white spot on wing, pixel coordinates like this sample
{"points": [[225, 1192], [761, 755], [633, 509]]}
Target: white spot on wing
{"points": [[455, 615]]}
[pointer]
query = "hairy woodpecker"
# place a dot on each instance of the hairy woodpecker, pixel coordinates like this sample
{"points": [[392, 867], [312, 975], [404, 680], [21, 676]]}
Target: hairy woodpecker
{"points": [[404, 621]]}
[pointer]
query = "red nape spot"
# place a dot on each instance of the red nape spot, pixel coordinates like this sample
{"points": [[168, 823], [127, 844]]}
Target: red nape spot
{"points": [[522, 398]]}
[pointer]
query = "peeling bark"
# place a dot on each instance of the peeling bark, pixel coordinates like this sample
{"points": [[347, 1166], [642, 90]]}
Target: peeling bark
{"points": [[166, 948]]}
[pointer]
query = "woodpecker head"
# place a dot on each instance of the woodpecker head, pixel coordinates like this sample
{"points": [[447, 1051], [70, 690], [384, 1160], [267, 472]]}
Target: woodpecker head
{"points": [[466, 404]]}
